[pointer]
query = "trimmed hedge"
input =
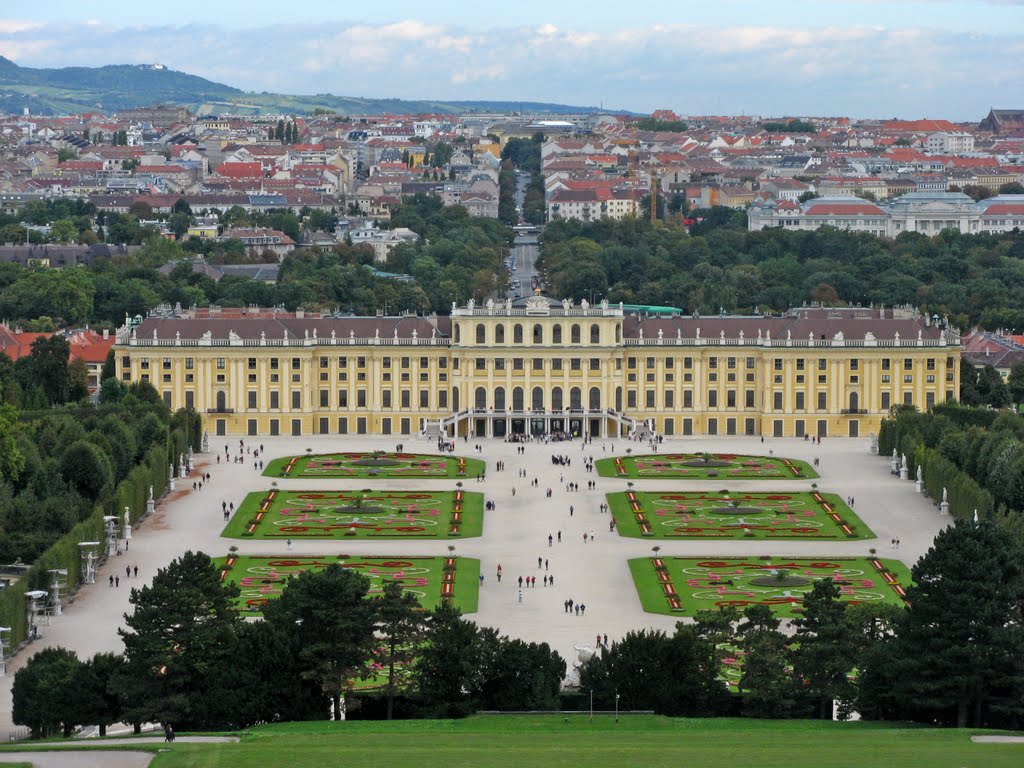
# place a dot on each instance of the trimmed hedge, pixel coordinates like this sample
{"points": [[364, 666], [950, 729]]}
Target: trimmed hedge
{"points": [[132, 492], [963, 493]]}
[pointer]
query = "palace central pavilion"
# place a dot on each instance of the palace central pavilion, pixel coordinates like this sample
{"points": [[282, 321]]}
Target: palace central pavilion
{"points": [[541, 366]]}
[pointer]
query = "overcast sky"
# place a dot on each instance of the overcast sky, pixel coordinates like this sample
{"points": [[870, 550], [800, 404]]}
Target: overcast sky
{"points": [[881, 58]]}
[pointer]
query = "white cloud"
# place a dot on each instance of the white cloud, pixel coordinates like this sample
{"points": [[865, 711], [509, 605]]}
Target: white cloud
{"points": [[767, 69], [14, 26], [469, 75]]}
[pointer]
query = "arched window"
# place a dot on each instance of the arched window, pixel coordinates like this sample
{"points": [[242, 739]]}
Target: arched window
{"points": [[538, 334], [854, 401], [575, 335], [618, 397], [481, 333], [221, 402], [499, 399], [499, 334], [538, 399], [556, 399], [575, 398], [458, 333], [455, 399], [556, 335], [517, 334], [595, 334], [517, 399], [480, 399], [595, 399]]}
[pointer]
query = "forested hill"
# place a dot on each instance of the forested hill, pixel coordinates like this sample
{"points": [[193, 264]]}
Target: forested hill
{"points": [[125, 86]]}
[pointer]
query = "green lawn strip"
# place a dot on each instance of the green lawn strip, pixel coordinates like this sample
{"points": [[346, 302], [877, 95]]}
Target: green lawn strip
{"points": [[262, 578], [705, 522], [677, 597], [405, 515], [387, 466], [511, 741], [668, 466]]}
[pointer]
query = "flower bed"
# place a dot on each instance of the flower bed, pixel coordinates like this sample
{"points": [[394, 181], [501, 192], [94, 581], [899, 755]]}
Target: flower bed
{"points": [[733, 515], [683, 586], [285, 514], [431, 579], [699, 466], [374, 465]]}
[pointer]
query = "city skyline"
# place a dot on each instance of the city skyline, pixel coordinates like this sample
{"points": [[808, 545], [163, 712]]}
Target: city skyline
{"points": [[863, 58]]}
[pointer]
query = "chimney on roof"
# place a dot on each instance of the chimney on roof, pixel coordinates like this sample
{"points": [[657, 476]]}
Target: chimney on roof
{"points": [[106, 334]]}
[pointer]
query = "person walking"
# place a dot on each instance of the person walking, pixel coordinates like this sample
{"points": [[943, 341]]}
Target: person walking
{"points": [[545, 564], [559, 537], [136, 571], [550, 538], [520, 582], [520, 595]]}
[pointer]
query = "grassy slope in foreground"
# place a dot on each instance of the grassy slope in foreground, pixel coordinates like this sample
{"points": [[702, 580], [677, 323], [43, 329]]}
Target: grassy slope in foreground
{"points": [[647, 741]]}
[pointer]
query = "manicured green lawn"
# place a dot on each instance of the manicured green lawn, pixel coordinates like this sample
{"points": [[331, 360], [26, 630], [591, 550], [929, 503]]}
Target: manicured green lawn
{"points": [[262, 578], [374, 514], [699, 466], [735, 515], [383, 466], [687, 585], [574, 741]]}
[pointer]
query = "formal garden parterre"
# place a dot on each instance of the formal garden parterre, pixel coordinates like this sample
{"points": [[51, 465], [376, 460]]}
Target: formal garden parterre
{"points": [[433, 580], [369, 513], [705, 466], [374, 464], [728, 514], [680, 586]]}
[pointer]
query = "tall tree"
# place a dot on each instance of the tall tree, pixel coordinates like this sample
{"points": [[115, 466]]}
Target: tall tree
{"points": [[1015, 384], [47, 365], [39, 692], [12, 459], [180, 646], [992, 389], [960, 645], [93, 695], [400, 625], [826, 648], [448, 671], [766, 684], [518, 675], [333, 622]]}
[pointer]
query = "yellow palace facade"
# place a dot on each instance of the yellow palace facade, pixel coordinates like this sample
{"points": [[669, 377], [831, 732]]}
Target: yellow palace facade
{"points": [[540, 366]]}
